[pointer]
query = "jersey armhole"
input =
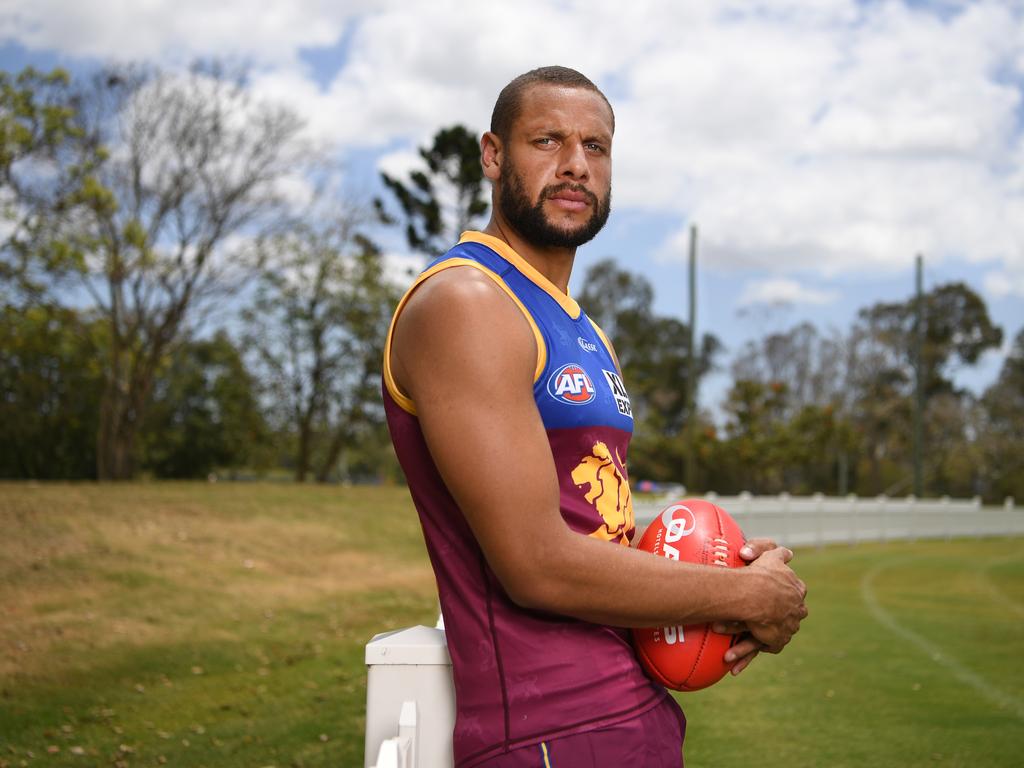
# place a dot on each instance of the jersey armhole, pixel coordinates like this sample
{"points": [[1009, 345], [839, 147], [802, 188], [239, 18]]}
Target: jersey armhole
{"points": [[403, 400]]}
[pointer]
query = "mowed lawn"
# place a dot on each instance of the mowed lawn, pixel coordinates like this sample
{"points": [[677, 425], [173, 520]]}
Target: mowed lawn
{"points": [[223, 625]]}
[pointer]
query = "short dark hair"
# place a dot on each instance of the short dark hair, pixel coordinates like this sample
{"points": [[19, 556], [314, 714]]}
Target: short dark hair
{"points": [[507, 107]]}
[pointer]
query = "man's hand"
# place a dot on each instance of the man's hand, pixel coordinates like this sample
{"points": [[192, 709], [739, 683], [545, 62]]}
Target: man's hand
{"points": [[771, 635]]}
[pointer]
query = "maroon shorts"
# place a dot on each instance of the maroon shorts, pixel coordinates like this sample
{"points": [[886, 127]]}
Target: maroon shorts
{"points": [[651, 740]]}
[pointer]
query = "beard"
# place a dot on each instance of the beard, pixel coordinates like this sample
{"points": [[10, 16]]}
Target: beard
{"points": [[530, 221]]}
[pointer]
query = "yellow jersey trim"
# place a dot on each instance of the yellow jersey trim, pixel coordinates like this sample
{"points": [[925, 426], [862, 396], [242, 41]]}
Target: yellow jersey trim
{"points": [[403, 400], [565, 301], [607, 344]]}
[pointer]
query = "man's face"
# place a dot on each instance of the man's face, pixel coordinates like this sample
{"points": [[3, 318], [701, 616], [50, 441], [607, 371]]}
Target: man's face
{"points": [[555, 182]]}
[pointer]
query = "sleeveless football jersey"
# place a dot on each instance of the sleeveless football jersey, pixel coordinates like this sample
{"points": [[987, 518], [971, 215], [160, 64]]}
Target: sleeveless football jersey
{"points": [[524, 677]]}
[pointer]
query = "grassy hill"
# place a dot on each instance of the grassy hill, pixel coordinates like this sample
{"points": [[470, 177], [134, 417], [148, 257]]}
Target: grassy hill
{"points": [[190, 624]]}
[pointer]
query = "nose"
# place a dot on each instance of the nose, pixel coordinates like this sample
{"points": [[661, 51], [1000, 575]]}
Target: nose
{"points": [[573, 163]]}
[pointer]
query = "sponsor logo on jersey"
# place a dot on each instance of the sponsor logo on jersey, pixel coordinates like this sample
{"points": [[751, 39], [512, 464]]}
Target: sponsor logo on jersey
{"points": [[570, 384], [586, 346], [618, 392]]}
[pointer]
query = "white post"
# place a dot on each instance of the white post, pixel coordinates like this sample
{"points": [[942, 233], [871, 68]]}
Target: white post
{"points": [[819, 513], [409, 694], [786, 519], [948, 516], [911, 518], [883, 508], [851, 501]]}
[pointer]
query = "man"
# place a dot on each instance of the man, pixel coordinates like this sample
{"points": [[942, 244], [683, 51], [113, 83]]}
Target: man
{"points": [[511, 421]]}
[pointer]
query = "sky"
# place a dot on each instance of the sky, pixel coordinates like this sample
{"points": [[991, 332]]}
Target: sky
{"points": [[817, 145]]}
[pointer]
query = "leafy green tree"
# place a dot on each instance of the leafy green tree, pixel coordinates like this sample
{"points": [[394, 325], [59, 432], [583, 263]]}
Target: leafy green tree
{"points": [[1001, 429], [444, 199], [51, 383], [317, 326], [205, 413], [47, 162], [194, 163], [799, 384], [958, 330]]}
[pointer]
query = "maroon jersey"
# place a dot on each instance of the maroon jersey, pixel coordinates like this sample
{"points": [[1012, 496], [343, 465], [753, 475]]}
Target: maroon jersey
{"points": [[522, 676]]}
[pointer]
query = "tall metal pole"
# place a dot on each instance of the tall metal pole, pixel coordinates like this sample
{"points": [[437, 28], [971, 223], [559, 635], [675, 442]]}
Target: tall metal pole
{"points": [[918, 376], [691, 379]]}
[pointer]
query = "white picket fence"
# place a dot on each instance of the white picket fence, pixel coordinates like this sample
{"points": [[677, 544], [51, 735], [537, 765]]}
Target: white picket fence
{"points": [[410, 699], [818, 519]]}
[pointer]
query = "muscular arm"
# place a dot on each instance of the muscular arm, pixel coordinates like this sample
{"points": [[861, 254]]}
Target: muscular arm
{"points": [[473, 390]]}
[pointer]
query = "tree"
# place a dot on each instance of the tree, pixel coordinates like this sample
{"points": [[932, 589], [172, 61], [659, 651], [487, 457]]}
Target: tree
{"points": [[439, 203], [50, 387], [46, 167], [205, 413], [193, 162], [800, 383], [1001, 428], [814, 368], [318, 325], [957, 331]]}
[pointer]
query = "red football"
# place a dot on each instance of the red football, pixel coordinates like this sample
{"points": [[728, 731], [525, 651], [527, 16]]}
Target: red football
{"points": [[688, 658]]}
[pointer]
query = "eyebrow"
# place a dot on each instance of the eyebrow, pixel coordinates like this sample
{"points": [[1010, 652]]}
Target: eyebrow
{"points": [[559, 133]]}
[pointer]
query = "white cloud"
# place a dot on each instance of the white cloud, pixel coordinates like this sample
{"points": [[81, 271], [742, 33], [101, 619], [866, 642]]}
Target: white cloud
{"points": [[783, 291], [400, 269], [401, 163], [1001, 284], [178, 30], [826, 135]]}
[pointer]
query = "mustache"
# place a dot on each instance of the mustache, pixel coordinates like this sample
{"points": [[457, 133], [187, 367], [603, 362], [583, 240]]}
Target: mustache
{"points": [[554, 189]]}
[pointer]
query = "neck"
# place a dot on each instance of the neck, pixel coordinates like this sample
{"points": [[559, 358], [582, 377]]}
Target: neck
{"points": [[554, 263]]}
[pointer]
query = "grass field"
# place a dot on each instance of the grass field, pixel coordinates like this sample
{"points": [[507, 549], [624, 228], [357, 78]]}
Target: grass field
{"points": [[223, 625]]}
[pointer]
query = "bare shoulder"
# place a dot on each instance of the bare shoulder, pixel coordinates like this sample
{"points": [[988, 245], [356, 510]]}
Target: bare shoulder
{"points": [[452, 291], [459, 319]]}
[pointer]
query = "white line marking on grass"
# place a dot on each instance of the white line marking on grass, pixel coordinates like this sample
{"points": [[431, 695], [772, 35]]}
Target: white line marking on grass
{"points": [[932, 651], [993, 589]]}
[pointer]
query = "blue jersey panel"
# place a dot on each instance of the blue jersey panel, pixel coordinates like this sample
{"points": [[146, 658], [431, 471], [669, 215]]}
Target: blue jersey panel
{"points": [[580, 385]]}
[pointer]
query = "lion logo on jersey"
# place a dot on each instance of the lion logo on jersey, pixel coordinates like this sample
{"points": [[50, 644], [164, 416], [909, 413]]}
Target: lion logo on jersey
{"points": [[608, 491]]}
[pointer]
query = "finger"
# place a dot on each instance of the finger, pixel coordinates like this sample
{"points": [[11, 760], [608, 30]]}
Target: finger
{"points": [[803, 588], [743, 663], [729, 627], [754, 548], [743, 648]]}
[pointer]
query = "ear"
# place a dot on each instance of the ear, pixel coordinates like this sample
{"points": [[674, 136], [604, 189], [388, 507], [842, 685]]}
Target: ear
{"points": [[491, 153]]}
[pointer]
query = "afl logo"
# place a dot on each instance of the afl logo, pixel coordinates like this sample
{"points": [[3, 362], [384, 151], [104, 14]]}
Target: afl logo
{"points": [[570, 384]]}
